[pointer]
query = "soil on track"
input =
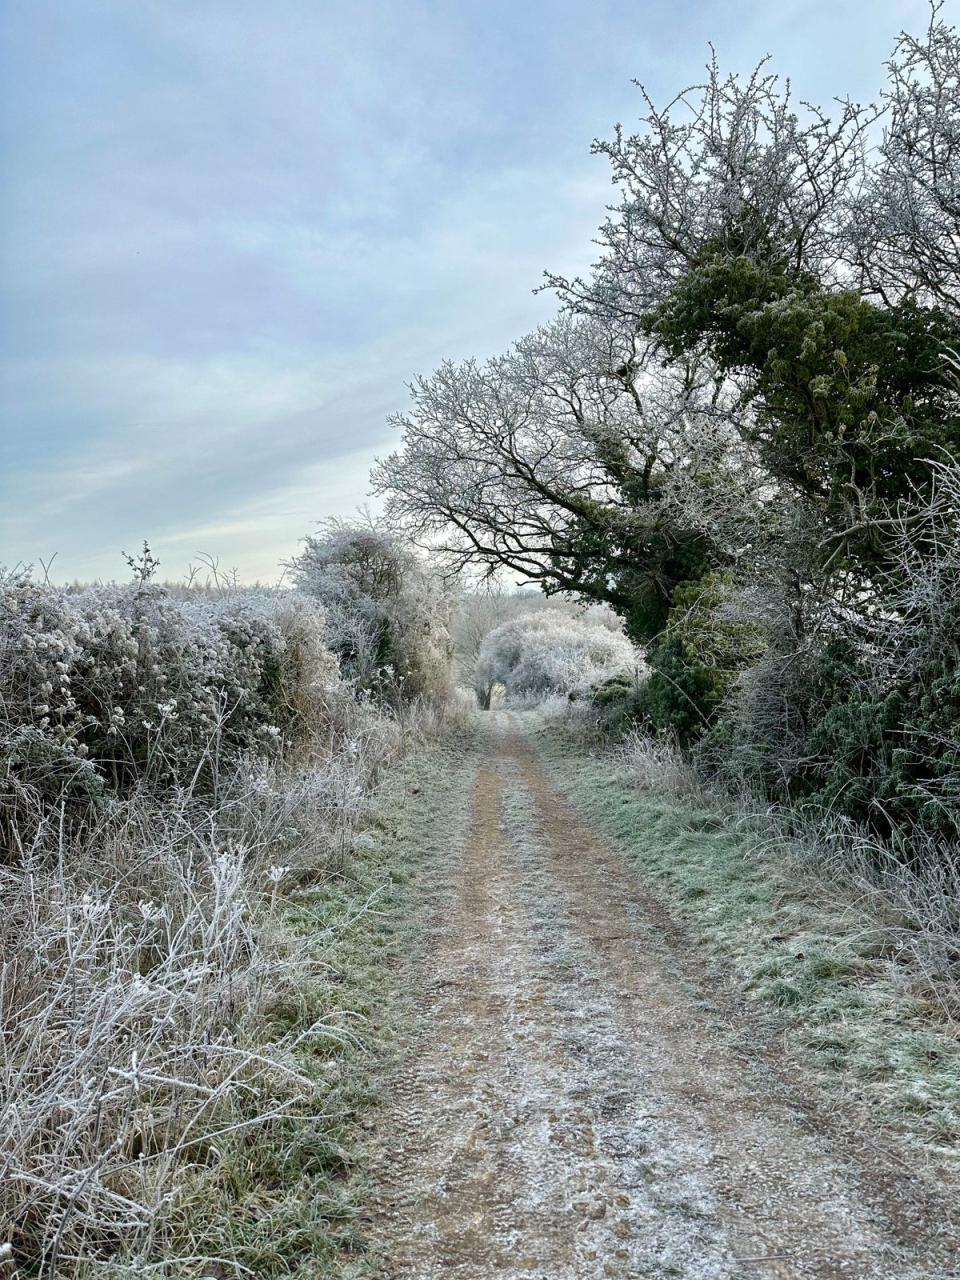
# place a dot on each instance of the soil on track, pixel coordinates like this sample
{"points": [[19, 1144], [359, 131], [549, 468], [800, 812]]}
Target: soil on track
{"points": [[576, 1100]]}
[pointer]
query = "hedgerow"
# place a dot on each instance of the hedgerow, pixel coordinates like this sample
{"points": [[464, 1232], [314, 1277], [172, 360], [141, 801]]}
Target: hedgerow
{"points": [[111, 687], [173, 765]]}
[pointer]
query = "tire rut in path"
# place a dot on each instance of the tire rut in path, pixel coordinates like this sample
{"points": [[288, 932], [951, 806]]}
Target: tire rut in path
{"points": [[567, 1106]]}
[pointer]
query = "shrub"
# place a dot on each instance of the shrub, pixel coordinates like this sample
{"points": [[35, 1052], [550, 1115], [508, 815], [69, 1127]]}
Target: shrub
{"points": [[110, 687], [885, 752], [860, 719], [386, 615], [617, 703], [541, 654], [696, 659]]}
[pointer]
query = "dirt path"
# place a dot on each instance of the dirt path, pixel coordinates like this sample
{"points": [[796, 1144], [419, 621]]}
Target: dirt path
{"points": [[572, 1104]]}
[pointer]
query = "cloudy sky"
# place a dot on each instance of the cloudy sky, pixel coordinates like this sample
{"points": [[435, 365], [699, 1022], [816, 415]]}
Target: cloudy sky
{"points": [[233, 230]]}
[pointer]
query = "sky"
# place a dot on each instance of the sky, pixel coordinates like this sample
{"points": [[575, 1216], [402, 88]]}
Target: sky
{"points": [[232, 231]]}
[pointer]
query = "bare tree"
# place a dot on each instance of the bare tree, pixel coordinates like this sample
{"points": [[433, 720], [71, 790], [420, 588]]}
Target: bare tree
{"points": [[728, 166], [552, 462], [904, 228]]}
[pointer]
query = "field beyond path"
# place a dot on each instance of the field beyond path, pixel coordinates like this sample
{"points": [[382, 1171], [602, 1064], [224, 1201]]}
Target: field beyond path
{"points": [[577, 1097]]}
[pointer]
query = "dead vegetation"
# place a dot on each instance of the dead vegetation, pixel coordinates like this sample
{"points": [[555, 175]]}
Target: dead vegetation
{"points": [[172, 769]]}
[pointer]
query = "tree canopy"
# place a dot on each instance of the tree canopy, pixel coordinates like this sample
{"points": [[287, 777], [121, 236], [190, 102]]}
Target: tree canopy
{"points": [[738, 420]]}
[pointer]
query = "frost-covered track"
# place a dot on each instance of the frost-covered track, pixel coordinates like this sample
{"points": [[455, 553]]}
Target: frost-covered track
{"points": [[574, 1101]]}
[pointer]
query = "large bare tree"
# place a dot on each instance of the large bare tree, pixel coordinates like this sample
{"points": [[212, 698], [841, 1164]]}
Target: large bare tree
{"points": [[559, 462]]}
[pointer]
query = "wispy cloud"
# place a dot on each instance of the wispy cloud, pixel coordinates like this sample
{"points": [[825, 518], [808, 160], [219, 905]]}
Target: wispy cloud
{"points": [[232, 231]]}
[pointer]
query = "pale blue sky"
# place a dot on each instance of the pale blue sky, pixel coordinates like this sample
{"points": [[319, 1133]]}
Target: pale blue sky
{"points": [[232, 230]]}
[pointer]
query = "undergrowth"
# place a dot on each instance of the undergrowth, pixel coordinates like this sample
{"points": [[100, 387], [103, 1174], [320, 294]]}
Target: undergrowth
{"points": [[266, 1177], [173, 771]]}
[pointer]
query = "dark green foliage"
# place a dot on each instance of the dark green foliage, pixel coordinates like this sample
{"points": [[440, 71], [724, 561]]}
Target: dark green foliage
{"points": [[696, 659], [618, 703], [821, 730], [634, 559], [852, 761], [885, 757], [642, 592], [851, 400]]}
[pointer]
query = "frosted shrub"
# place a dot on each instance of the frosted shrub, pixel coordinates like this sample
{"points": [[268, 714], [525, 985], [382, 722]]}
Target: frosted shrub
{"points": [[110, 686], [209, 759], [386, 613], [479, 611], [547, 653]]}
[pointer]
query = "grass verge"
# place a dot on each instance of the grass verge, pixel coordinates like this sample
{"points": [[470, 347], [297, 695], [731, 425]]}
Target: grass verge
{"points": [[297, 1195], [826, 966]]}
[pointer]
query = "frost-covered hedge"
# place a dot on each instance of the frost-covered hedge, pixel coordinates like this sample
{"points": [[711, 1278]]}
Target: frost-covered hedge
{"points": [[106, 686], [546, 653], [387, 614], [172, 765]]}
